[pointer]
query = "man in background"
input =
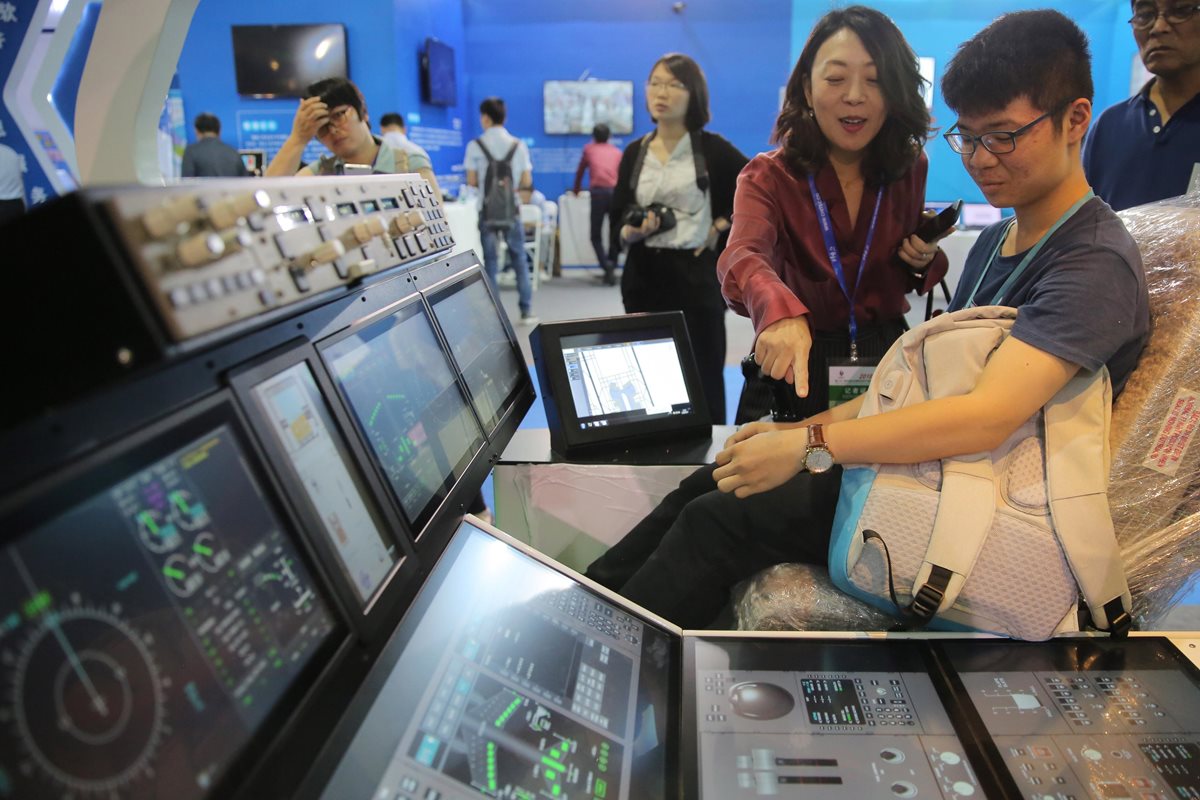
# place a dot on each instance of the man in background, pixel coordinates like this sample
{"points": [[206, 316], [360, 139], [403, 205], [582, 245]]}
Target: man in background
{"points": [[395, 133], [208, 156], [1148, 147], [501, 146], [601, 159], [12, 184]]}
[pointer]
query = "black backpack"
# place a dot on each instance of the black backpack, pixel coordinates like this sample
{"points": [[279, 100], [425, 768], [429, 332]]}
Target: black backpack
{"points": [[499, 192]]}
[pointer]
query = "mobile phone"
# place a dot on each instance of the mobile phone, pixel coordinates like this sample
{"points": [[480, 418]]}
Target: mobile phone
{"points": [[933, 227], [357, 169]]}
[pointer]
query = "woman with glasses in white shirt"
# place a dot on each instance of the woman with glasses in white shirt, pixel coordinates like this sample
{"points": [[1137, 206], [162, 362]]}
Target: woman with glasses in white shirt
{"points": [[672, 205]]}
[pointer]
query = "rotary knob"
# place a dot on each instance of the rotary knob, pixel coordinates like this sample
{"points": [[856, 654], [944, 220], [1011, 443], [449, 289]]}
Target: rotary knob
{"points": [[226, 213], [362, 232], [325, 253], [399, 226], [165, 219], [196, 251]]}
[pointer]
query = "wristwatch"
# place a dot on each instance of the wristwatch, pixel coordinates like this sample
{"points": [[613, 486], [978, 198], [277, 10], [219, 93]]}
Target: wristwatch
{"points": [[817, 458]]}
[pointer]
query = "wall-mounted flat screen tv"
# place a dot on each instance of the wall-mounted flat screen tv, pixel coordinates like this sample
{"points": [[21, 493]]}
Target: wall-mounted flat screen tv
{"points": [[281, 60], [578, 106], [438, 84]]}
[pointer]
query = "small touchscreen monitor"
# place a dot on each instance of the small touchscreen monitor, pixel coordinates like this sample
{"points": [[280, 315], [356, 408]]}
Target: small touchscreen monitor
{"points": [[617, 381]]}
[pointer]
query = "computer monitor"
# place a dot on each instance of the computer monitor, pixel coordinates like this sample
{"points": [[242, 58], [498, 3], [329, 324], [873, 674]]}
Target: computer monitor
{"points": [[408, 405], [578, 106], [509, 679], [158, 618], [292, 414], [612, 381], [282, 60], [488, 358]]}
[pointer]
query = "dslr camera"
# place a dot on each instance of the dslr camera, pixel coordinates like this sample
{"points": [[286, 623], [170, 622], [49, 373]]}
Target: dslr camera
{"points": [[636, 215]]}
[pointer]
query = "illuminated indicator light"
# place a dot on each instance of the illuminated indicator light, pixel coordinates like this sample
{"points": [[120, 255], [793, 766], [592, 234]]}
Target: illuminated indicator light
{"points": [[12, 621], [127, 581], [172, 572], [553, 764], [36, 604], [394, 396], [203, 550], [601, 788], [146, 519], [556, 790], [491, 766], [374, 413], [508, 712], [551, 774], [248, 699]]}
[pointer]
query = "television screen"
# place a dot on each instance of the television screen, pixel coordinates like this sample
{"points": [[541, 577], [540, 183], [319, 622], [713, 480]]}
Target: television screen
{"points": [[578, 106], [281, 60], [438, 84]]}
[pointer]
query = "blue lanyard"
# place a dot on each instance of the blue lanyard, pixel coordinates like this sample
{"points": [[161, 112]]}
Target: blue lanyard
{"points": [[835, 257], [1029, 256]]}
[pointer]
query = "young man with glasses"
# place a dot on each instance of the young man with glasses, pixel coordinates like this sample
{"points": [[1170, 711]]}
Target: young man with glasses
{"points": [[1065, 260], [1148, 147], [334, 112]]}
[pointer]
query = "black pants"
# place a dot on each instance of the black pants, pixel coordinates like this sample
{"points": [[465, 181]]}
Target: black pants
{"points": [[873, 341], [683, 559], [601, 202], [11, 209]]}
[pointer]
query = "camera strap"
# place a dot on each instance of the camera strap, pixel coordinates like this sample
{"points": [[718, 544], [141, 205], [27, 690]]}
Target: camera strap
{"points": [[697, 159]]}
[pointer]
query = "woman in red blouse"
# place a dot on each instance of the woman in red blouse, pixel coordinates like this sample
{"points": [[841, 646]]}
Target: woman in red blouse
{"points": [[850, 138]]}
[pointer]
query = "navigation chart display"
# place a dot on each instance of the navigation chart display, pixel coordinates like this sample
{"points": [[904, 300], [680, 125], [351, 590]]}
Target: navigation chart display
{"points": [[638, 376], [409, 406], [299, 420], [486, 356], [161, 616], [509, 680]]}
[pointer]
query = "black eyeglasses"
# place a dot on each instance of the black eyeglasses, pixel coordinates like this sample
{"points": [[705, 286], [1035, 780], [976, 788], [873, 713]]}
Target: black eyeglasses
{"points": [[995, 142], [1144, 17]]}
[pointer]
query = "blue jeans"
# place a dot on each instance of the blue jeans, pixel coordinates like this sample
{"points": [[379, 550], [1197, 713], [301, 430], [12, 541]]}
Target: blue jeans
{"points": [[515, 237]]}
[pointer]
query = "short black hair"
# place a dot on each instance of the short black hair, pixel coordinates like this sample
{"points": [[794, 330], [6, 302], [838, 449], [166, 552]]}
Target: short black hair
{"points": [[1040, 55], [392, 118], [898, 144], [207, 123], [336, 92], [601, 133], [494, 108], [688, 72]]}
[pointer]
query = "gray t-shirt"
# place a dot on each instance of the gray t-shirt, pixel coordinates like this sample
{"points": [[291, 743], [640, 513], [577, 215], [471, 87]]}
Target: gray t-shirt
{"points": [[1082, 298]]}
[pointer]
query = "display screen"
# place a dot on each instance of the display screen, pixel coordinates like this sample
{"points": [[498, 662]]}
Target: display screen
{"points": [[622, 376], [578, 106], [1088, 718], [409, 406], [479, 341], [438, 83], [300, 423], [796, 718], [282, 60], [509, 680], [150, 622]]}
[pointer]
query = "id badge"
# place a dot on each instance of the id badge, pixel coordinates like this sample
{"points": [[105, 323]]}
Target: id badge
{"points": [[848, 379]]}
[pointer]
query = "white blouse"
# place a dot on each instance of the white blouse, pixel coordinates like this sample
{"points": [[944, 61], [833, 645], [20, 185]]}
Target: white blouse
{"points": [[674, 185]]}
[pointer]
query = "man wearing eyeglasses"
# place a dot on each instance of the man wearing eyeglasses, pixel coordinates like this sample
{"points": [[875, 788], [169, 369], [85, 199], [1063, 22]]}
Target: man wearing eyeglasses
{"points": [[1148, 147], [1064, 259], [334, 112]]}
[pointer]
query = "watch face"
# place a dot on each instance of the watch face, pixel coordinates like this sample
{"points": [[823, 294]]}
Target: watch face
{"points": [[818, 460]]}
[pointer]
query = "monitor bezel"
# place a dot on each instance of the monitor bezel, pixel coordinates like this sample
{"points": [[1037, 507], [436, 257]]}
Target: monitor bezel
{"points": [[247, 91], [418, 526], [622, 131], [566, 436], [41, 501], [457, 283], [371, 616]]}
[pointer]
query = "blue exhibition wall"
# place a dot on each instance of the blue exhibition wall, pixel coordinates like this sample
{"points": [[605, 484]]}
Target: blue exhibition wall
{"points": [[383, 39]]}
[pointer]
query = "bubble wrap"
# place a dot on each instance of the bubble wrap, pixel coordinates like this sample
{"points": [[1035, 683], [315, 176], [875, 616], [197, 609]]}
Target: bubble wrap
{"points": [[1154, 482], [788, 597]]}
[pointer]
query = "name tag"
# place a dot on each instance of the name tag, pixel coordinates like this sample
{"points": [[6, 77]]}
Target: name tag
{"points": [[848, 379]]}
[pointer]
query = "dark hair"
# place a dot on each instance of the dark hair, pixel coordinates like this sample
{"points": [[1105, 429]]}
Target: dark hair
{"points": [[207, 123], [336, 92], [688, 72], [494, 108], [601, 133], [392, 118], [1040, 55], [898, 144]]}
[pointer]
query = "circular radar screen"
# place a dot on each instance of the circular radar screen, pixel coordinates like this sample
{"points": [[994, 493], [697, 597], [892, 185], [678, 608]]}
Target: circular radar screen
{"points": [[89, 699]]}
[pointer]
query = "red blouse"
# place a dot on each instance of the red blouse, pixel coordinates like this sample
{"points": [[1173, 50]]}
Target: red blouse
{"points": [[775, 265]]}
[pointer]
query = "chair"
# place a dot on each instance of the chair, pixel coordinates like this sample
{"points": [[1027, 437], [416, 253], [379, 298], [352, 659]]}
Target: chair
{"points": [[531, 215]]}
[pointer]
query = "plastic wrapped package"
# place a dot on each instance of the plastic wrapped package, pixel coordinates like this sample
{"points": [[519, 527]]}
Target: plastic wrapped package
{"points": [[1154, 482], [791, 597]]}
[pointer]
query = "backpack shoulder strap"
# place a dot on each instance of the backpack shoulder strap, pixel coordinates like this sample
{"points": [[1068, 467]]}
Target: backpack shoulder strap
{"points": [[512, 151], [699, 160], [1077, 463], [486, 153], [643, 146]]}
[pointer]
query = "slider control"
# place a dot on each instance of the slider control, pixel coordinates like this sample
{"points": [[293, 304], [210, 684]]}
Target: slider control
{"points": [[196, 251], [362, 232], [226, 213], [165, 219]]}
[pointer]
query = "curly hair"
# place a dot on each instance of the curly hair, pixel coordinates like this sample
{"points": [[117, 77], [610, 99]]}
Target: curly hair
{"points": [[898, 144]]}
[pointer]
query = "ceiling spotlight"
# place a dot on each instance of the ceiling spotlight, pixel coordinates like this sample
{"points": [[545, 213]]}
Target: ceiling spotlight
{"points": [[678, 7]]}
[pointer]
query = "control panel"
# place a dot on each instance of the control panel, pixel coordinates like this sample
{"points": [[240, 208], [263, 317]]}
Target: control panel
{"points": [[213, 253]]}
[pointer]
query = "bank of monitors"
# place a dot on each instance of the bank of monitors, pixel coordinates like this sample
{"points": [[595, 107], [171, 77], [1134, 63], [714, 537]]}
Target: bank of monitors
{"points": [[156, 616], [613, 382], [508, 679]]}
